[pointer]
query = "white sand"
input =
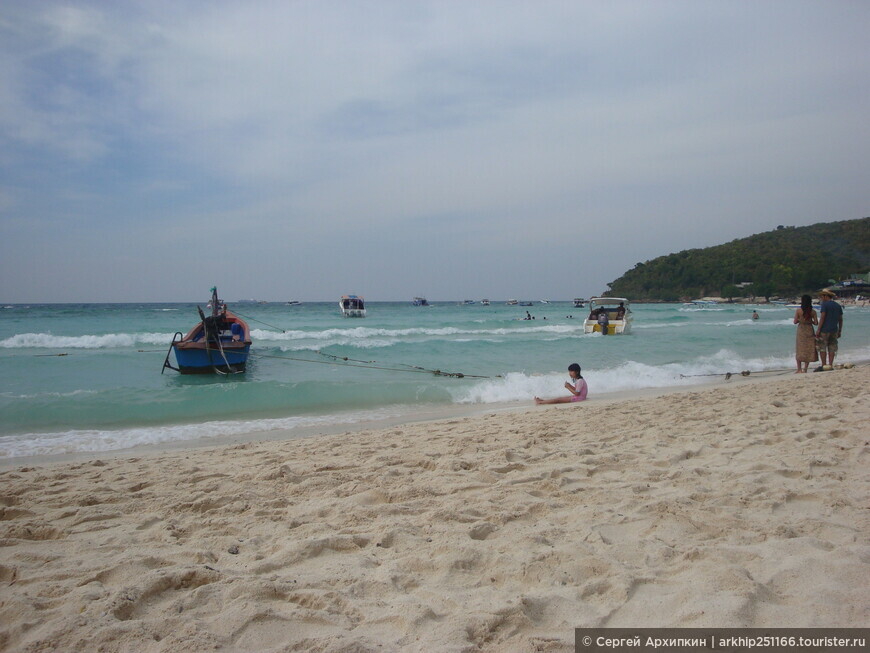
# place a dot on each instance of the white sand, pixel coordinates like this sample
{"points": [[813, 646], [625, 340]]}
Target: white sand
{"points": [[743, 505]]}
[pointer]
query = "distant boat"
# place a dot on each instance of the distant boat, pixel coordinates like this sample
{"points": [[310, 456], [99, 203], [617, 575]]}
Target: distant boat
{"points": [[420, 301], [545, 301], [484, 302], [293, 302], [579, 302], [218, 344], [512, 302], [352, 306], [526, 304], [468, 302]]}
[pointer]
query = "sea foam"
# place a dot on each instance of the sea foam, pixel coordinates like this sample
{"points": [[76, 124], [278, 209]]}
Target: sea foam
{"points": [[107, 341], [86, 440], [630, 375]]}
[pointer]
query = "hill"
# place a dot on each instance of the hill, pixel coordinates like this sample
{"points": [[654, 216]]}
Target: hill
{"points": [[786, 261]]}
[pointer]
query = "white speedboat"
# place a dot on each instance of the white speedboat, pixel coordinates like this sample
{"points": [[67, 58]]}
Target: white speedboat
{"points": [[512, 302], [618, 315], [579, 302], [352, 306], [484, 302]]}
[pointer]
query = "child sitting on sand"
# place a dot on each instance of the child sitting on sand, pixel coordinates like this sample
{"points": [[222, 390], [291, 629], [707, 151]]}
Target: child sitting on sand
{"points": [[578, 389]]}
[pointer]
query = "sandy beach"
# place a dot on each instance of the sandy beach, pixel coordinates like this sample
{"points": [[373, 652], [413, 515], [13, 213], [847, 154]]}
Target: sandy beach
{"points": [[744, 504]]}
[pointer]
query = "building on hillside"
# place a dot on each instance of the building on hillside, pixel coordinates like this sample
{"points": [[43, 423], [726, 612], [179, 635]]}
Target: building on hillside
{"points": [[856, 285]]}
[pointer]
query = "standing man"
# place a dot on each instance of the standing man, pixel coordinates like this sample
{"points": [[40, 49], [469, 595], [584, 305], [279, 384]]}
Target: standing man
{"points": [[603, 321], [830, 328]]}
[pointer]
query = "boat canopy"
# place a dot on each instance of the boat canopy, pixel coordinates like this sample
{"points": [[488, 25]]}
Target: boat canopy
{"points": [[607, 301], [352, 301]]}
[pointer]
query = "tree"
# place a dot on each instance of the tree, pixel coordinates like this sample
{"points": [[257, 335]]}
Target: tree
{"points": [[731, 291], [787, 261], [782, 278]]}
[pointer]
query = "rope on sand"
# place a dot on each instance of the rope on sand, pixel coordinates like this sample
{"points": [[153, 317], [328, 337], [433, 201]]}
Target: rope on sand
{"points": [[728, 375]]}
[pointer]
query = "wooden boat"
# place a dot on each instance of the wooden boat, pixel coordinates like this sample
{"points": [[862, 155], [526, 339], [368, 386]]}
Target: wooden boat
{"points": [[218, 344]]}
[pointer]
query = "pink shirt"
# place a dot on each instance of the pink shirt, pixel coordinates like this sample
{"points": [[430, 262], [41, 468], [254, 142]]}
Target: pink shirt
{"points": [[581, 389]]}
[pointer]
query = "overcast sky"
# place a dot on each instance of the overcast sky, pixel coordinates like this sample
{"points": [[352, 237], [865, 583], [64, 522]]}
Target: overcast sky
{"points": [[455, 150]]}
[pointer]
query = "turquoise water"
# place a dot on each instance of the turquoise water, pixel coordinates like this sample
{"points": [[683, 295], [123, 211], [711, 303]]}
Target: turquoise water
{"points": [[106, 391]]}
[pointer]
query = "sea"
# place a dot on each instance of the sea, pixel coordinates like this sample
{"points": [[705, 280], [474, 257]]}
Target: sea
{"points": [[89, 377]]}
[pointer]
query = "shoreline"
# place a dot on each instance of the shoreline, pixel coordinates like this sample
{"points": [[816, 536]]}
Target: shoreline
{"points": [[425, 415]]}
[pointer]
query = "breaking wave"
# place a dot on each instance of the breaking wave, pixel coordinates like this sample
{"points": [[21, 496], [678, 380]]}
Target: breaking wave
{"points": [[107, 341]]}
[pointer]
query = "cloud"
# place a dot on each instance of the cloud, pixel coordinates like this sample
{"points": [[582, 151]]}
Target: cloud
{"points": [[484, 133]]}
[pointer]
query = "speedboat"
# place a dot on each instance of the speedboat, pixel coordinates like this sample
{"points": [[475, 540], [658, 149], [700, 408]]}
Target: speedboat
{"points": [[420, 301], [218, 344], [616, 325], [579, 302], [512, 302], [352, 306], [484, 302], [293, 302]]}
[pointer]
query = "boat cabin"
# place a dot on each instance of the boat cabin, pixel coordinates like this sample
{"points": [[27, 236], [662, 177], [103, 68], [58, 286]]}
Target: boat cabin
{"points": [[352, 306]]}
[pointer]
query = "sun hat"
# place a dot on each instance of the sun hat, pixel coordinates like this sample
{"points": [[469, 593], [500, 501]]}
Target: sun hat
{"points": [[827, 292]]}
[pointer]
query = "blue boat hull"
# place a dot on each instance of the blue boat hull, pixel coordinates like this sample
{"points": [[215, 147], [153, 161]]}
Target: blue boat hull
{"points": [[207, 361]]}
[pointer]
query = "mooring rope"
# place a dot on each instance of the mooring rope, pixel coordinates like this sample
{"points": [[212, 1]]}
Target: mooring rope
{"points": [[418, 370], [342, 358], [728, 375], [253, 319]]}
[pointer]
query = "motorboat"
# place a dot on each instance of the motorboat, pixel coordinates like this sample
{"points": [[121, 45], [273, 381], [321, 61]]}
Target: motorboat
{"points": [[217, 344], [468, 302], [420, 301], [352, 306], [484, 302], [293, 302], [579, 302], [545, 301], [512, 302], [619, 320]]}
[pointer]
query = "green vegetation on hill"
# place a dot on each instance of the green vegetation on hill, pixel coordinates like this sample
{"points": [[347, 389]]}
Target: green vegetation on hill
{"points": [[787, 261]]}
